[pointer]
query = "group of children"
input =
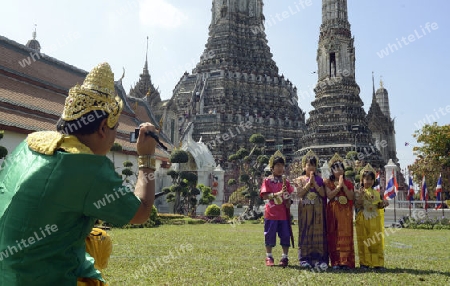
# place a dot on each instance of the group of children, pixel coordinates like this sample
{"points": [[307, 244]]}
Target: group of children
{"points": [[325, 216]]}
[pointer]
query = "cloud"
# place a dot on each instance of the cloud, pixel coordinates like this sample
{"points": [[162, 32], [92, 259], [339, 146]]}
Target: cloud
{"points": [[160, 13]]}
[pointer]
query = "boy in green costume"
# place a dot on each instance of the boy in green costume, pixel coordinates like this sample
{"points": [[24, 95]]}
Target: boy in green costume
{"points": [[56, 184]]}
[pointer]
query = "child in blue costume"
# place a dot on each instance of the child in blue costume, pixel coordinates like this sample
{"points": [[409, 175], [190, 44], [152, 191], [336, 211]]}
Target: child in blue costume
{"points": [[277, 218]]}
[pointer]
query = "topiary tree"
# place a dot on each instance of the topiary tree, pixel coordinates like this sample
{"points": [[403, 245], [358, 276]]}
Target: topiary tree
{"points": [[116, 147], [182, 184], [207, 197], [352, 155], [127, 171], [251, 168], [212, 211], [179, 156], [257, 139]]}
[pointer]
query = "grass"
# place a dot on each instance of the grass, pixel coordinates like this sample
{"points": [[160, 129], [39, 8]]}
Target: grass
{"points": [[213, 254]]}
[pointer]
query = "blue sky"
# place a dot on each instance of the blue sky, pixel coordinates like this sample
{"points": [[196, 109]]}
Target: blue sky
{"points": [[402, 41]]}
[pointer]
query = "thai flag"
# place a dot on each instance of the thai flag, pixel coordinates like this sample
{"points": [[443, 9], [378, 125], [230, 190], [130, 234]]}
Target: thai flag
{"points": [[411, 190], [377, 179], [439, 192], [391, 188]]}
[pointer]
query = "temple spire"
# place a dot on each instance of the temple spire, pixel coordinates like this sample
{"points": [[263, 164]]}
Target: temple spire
{"points": [[146, 60], [33, 43], [373, 86], [34, 33]]}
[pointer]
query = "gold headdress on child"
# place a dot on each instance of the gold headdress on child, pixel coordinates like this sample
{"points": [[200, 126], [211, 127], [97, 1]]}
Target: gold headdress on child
{"points": [[334, 159], [276, 155], [96, 93], [367, 168], [309, 155]]}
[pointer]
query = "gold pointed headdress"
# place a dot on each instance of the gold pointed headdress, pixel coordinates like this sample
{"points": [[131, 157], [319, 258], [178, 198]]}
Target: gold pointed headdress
{"points": [[96, 93], [309, 155], [367, 168], [277, 154], [334, 159]]}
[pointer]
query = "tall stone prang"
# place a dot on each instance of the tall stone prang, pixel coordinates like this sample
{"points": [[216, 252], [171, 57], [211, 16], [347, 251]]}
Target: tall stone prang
{"points": [[381, 124], [236, 90], [337, 124]]}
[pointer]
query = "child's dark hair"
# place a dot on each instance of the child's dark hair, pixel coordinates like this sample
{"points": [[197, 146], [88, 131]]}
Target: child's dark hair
{"points": [[371, 175], [85, 125], [277, 160], [311, 161], [336, 166]]}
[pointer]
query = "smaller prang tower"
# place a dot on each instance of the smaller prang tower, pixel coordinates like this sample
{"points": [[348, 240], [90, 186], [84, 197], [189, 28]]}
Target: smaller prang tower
{"points": [[381, 124], [337, 124]]}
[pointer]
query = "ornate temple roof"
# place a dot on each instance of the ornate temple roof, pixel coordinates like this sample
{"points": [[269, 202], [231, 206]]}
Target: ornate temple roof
{"points": [[32, 99]]}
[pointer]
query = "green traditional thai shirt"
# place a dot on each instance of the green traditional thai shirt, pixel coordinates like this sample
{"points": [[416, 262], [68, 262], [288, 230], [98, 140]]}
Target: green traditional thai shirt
{"points": [[52, 189]]}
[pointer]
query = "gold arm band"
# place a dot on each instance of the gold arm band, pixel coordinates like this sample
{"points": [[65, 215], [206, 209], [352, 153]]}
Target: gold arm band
{"points": [[147, 161]]}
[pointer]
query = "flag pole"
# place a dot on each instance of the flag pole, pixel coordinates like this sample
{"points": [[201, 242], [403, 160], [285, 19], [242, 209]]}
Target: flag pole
{"points": [[442, 203], [410, 207], [395, 213]]}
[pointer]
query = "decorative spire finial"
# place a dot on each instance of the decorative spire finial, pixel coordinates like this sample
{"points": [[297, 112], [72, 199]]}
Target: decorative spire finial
{"points": [[147, 50], [373, 84], [34, 33]]}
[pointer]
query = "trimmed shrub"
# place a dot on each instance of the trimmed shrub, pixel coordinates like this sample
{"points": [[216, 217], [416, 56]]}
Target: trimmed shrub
{"points": [[228, 210], [212, 210]]}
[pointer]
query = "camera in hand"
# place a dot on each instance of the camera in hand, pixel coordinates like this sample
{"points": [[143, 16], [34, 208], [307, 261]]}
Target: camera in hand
{"points": [[134, 136]]}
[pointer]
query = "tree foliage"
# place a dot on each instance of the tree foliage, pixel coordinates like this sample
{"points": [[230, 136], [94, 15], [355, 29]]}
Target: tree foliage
{"points": [[184, 189], [433, 155], [237, 198], [207, 197], [352, 155], [257, 139], [179, 156], [127, 171]]}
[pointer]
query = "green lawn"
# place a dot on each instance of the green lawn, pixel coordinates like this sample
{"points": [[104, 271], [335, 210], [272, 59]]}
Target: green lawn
{"points": [[211, 254]]}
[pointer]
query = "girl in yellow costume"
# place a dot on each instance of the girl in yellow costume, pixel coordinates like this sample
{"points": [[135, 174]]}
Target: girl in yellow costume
{"points": [[370, 221]]}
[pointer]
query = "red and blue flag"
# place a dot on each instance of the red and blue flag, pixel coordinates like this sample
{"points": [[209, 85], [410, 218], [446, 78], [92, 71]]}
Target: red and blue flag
{"points": [[391, 188], [439, 192], [411, 190]]}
